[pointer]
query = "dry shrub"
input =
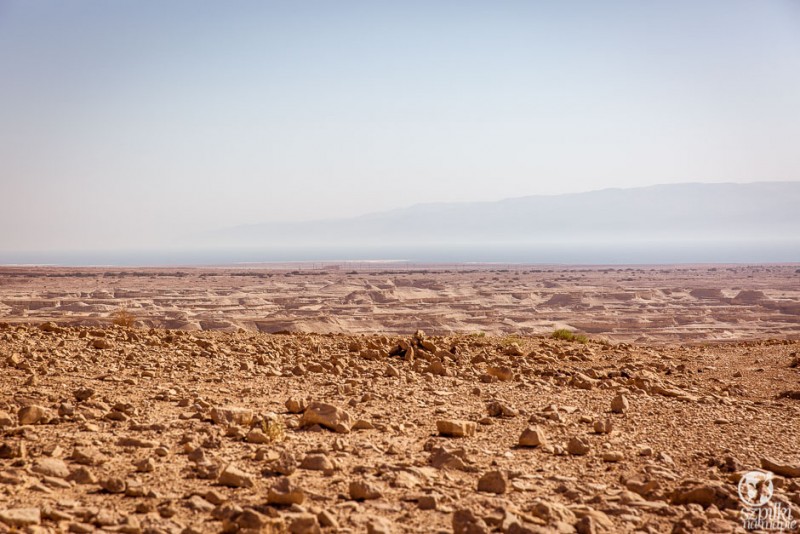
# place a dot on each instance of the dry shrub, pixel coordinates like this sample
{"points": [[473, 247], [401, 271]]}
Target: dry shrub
{"points": [[567, 335], [274, 428], [123, 318]]}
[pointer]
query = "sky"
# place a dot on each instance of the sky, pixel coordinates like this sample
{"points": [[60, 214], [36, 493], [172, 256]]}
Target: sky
{"points": [[129, 124]]}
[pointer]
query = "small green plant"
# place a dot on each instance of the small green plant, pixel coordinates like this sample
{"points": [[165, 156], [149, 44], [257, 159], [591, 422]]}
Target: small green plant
{"points": [[123, 318], [510, 340], [568, 335]]}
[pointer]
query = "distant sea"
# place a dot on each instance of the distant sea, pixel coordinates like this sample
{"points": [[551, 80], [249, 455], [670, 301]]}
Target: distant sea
{"points": [[566, 253]]}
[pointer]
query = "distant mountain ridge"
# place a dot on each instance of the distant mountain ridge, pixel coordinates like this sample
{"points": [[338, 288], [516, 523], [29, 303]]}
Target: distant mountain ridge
{"points": [[674, 212]]}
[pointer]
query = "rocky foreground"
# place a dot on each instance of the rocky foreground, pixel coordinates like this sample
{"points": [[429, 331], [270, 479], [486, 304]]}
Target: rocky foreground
{"points": [[135, 430]]}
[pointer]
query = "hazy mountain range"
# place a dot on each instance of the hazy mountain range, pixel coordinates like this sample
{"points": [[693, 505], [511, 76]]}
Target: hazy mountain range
{"points": [[675, 213]]}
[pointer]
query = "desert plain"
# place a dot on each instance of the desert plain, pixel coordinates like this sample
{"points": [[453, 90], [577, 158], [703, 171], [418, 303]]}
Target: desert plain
{"points": [[388, 398]]}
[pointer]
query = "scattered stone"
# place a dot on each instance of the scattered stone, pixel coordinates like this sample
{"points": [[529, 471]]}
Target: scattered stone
{"points": [[285, 492], [455, 429], [362, 490], [138, 443], [493, 482], [328, 416], [146, 465], [466, 522], [501, 409], [87, 456], [82, 475], [258, 436], [5, 419], [296, 405], [51, 467], [83, 394], [553, 512], [427, 502], [228, 415], [317, 462], [285, 464], [21, 517], [233, 477], [113, 485], [532, 437], [781, 468], [303, 523], [101, 343], [603, 426], [578, 446], [379, 525], [327, 520], [503, 374], [363, 424], [620, 404], [705, 494], [33, 414], [444, 458], [613, 456], [581, 381]]}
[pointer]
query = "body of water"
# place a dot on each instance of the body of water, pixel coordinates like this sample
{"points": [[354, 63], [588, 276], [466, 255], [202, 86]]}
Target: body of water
{"points": [[561, 253]]}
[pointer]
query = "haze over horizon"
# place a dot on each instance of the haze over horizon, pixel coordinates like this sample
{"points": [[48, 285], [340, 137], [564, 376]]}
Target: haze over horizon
{"points": [[128, 125]]}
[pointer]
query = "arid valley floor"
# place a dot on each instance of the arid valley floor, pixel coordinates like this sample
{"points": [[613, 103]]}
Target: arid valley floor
{"points": [[655, 303], [202, 418]]}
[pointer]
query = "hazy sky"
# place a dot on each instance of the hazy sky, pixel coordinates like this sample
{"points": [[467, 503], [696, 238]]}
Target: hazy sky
{"points": [[128, 123]]}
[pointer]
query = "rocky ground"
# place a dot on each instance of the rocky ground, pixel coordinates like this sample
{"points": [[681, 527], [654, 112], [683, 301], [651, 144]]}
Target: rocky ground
{"points": [[670, 303], [137, 430]]}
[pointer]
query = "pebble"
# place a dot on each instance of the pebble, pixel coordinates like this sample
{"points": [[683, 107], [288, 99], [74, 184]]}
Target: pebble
{"points": [[578, 446], [113, 485], [21, 517], [316, 462], [613, 456], [620, 404], [285, 492], [146, 465], [226, 415], [33, 414], [456, 429], [233, 477], [5, 419], [501, 409], [82, 475], [466, 522], [493, 482], [532, 437], [603, 426], [328, 416], [501, 373], [379, 525], [362, 490], [296, 404], [781, 468], [51, 467]]}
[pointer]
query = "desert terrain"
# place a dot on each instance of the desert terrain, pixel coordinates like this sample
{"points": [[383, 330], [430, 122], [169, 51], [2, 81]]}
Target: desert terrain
{"points": [[147, 430], [658, 303], [390, 400]]}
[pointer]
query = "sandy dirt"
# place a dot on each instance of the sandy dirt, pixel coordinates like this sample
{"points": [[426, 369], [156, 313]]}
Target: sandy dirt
{"points": [[147, 430]]}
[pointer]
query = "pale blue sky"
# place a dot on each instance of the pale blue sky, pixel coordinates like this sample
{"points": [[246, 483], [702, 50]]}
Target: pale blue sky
{"points": [[131, 123]]}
